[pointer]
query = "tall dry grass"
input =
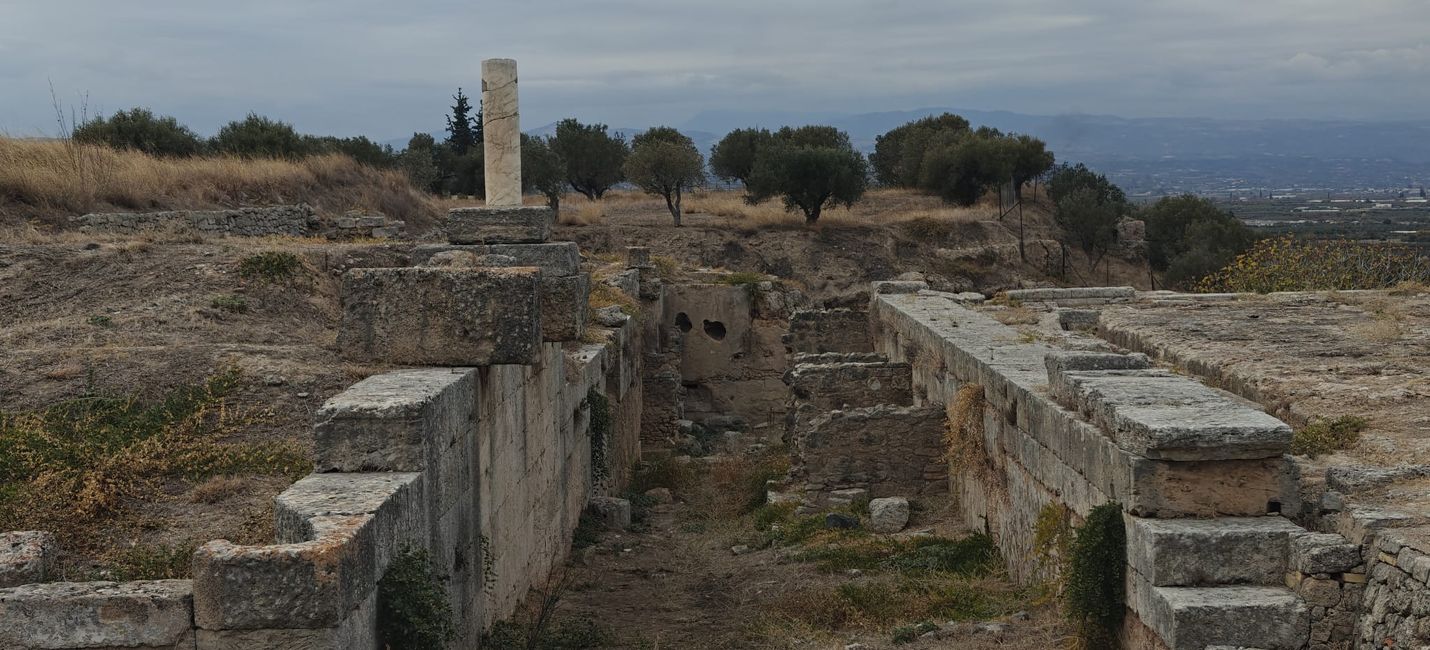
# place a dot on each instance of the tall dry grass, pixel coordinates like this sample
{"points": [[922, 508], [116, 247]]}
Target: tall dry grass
{"points": [[50, 180]]}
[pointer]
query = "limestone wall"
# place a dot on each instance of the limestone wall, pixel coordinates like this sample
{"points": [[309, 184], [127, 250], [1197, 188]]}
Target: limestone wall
{"points": [[1084, 429], [831, 330], [487, 469], [294, 220]]}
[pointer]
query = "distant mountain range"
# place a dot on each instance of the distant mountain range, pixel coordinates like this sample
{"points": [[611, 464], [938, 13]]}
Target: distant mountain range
{"points": [[1155, 155]]}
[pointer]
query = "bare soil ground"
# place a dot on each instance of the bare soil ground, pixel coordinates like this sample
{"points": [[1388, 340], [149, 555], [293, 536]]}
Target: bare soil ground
{"points": [[677, 584], [84, 317]]}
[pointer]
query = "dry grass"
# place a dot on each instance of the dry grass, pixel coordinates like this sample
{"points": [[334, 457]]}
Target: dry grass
{"points": [[49, 180], [878, 207], [585, 213], [217, 488]]}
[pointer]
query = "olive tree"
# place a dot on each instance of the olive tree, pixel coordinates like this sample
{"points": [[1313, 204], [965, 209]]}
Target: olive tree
{"points": [[140, 129], [542, 170], [809, 168], [665, 162], [593, 157], [733, 158]]}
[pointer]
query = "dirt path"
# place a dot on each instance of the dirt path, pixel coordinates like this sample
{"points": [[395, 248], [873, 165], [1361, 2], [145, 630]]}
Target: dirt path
{"points": [[675, 583]]}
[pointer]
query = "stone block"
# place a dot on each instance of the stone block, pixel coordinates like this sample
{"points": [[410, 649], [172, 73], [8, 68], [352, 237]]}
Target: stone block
{"points": [[613, 513], [504, 225], [888, 515], [841, 385], [1193, 618], [1323, 553], [354, 523], [638, 257], [564, 303], [1060, 362], [154, 614], [26, 557], [899, 286], [554, 259], [847, 497], [1165, 416], [395, 421], [1078, 319], [441, 317], [1208, 552], [1073, 293]]}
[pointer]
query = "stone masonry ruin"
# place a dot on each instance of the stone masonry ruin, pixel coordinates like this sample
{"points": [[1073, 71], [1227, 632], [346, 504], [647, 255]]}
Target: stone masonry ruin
{"points": [[481, 453], [479, 448]]}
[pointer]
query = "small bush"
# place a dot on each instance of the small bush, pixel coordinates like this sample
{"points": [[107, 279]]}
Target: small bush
{"points": [[1325, 436], [230, 303], [1096, 591], [101, 321], [412, 607], [272, 266], [663, 472]]}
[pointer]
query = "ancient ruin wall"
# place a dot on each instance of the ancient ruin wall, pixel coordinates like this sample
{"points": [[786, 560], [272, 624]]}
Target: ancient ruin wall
{"points": [[293, 220], [1196, 470]]}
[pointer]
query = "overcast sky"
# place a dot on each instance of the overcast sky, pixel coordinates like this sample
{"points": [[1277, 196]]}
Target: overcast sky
{"points": [[384, 68]]}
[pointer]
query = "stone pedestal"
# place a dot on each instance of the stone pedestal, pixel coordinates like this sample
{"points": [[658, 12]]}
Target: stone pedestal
{"points": [[501, 133]]}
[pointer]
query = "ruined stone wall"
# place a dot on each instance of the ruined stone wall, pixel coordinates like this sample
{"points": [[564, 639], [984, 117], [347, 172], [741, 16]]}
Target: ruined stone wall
{"points": [[887, 450], [1196, 471], [725, 343], [830, 330], [293, 220], [482, 467]]}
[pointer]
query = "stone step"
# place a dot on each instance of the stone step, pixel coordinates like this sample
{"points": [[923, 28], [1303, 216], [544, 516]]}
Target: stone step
{"points": [[1210, 552], [1195, 618]]}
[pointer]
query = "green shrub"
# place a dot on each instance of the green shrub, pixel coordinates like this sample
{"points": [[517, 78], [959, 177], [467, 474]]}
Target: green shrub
{"points": [[141, 130], [600, 430], [230, 302], [271, 266], [663, 472], [1096, 591], [910, 633], [101, 321], [1325, 436], [412, 607]]}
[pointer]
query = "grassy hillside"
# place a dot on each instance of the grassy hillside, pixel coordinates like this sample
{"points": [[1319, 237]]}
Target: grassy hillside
{"points": [[48, 181]]}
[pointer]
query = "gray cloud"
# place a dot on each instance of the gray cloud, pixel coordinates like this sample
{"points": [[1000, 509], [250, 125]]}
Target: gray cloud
{"points": [[386, 68]]}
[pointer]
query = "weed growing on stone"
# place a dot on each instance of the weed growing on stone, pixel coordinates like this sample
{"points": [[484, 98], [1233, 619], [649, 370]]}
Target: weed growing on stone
{"points": [[604, 295], [1095, 597], [600, 432], [1325, 436], [1052, 543], [270, 266], [412, 607]]}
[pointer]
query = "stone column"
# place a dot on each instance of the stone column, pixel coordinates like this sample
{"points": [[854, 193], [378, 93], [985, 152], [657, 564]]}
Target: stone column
{"points": [[501, 133]]}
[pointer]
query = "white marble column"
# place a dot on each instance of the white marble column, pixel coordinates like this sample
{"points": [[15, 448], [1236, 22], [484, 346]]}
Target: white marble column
{"points": [[501, 133]]}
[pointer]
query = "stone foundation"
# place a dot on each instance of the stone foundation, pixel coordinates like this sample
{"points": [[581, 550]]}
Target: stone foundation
{"points": [[291, 220]]}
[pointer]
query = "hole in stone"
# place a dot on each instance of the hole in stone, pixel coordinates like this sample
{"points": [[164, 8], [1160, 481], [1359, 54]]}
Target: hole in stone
{"points": [[1273, 507], [715, 329], [683, 322]]}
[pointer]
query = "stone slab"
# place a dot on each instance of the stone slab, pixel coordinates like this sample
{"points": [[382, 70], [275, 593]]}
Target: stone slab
{"points": [[441, 316], [1072, 293], [55, 615], [554, 259], [508, 225], [564, 304], [1166, 416], [1193, 618], [1209, 552], [396, 421], [26, 557]]}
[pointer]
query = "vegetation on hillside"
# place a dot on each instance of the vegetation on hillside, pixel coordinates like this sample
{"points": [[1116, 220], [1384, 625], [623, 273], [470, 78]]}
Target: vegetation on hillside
{"points": [[1189, 238], [50, 180], [1287, 264]]}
